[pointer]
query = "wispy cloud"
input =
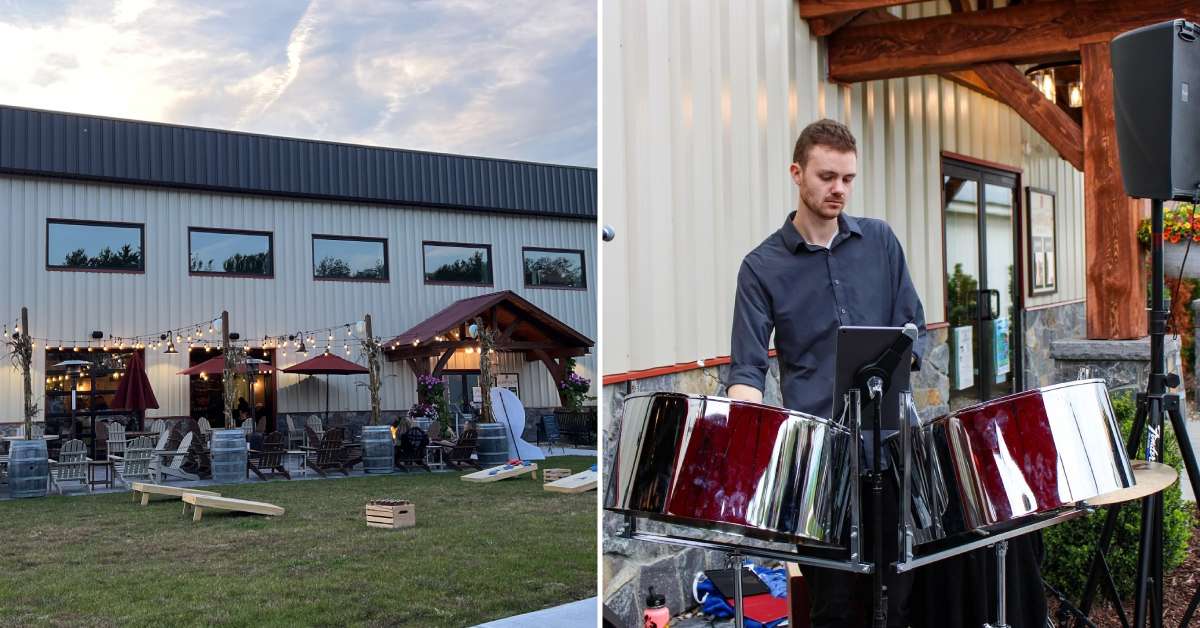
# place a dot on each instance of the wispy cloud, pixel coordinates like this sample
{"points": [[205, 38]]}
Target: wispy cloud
{"points": [[515, 79]]}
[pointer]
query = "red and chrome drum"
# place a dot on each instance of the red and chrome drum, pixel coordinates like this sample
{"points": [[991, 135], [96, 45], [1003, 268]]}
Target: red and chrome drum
{"points": [[1015, 457], [745, 468]]}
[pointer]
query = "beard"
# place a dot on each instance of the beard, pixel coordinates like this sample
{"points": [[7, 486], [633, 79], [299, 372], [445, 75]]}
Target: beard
{"points": [[821, 207]]}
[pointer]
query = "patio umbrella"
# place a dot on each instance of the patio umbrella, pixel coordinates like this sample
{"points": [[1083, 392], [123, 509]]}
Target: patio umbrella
{"points": [[216, 366], [326, 364], [134, 391]]}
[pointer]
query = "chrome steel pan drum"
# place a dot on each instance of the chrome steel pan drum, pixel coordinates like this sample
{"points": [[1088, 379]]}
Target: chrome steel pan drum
{"points": [[719, 464], [992, 465]]}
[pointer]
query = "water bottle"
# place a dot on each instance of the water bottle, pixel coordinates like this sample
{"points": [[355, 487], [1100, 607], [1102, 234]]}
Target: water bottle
{"points": [[657, 615]]}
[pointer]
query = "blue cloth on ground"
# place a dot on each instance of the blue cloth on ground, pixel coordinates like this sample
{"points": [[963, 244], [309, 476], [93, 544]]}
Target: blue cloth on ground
{"points": [[712, 603]]}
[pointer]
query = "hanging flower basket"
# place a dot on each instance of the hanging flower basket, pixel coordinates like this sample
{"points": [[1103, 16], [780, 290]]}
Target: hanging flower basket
{"points": [[1181, 226]]}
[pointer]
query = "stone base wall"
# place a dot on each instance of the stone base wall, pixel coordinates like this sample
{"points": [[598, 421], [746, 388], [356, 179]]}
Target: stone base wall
{"points": [[1043, 327], [631, 567], [1124, 365]]}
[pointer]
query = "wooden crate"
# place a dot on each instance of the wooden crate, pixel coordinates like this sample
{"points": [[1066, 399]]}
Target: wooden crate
{"points": [[551, 475], [391, 514]]}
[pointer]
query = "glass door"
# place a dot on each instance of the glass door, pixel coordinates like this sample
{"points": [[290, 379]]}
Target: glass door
{"points": [[982, 300]]}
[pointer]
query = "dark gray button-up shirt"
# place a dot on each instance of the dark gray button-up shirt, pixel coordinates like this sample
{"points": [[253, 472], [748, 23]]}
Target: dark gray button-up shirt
{"points": [[804, 292]]}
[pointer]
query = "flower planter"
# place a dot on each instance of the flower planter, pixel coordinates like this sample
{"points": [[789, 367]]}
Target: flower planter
{"points": [[1173, 258]]}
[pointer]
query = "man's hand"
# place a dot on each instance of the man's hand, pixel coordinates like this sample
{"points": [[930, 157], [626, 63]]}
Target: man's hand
{"points": [[743, 392]]}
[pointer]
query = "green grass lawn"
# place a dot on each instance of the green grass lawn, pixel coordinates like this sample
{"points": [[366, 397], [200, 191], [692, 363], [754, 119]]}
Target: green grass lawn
{"points": [[478, 552]]}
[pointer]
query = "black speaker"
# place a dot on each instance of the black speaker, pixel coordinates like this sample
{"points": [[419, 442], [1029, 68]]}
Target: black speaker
{"points": [[1156, 98]]}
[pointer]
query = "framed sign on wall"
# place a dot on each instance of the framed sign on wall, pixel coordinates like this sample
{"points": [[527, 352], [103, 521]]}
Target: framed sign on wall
{"points": [[1042, 251]]}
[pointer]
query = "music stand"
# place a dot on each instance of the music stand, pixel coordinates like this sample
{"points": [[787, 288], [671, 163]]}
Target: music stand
{"points": [[872, 370]]}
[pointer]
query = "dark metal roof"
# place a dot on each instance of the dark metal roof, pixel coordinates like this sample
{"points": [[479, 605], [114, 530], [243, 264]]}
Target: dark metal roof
{"points": [[531, 321], [48, 143]]}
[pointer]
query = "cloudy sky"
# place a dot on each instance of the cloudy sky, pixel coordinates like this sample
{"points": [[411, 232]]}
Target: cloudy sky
{"points": [[513, 79]]}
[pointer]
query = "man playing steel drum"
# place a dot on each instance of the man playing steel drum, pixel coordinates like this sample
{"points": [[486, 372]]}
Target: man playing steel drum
{"points": [[821, 270]]}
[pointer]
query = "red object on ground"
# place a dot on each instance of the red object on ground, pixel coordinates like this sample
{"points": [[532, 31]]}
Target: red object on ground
{"points": [[763, 608], [326, 364], [134, 391]]}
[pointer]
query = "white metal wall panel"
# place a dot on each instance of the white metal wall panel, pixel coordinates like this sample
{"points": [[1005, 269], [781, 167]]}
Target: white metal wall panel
{"points": [[702, 104], [69, 305]]}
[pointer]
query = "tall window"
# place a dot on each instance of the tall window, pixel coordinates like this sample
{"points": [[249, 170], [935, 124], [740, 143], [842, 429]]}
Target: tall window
{"points": [[229, 252], [554, 268], [458, 263], [338, 257], [95, 246]]}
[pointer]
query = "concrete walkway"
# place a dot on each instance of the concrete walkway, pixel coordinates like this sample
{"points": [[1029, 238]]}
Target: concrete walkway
{"points": [[574, 615]]}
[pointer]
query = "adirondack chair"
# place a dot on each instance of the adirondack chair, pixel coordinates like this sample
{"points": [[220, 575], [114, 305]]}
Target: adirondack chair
{"points": [[314, 424], [116, 439], [71, 465], [163, 438], [295, 434], [169, 461], [248, 427], [134, 463], [459, 455], [270, 457], [329, 452], [158, 426], [411, 447], [205, 428]]}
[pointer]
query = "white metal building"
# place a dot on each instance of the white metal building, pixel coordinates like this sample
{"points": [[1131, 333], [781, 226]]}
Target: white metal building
{"points": [[286, 235]]}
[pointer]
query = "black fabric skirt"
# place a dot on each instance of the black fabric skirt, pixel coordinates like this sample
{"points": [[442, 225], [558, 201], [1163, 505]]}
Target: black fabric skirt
{"points": [[961, 591]]}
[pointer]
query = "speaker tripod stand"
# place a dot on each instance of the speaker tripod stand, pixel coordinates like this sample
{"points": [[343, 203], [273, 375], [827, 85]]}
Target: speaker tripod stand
{"points": [[1152, 406]]}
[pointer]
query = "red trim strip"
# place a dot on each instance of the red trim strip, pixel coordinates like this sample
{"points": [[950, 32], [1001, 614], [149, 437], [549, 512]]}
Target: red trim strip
{"points": [[681, 367]]}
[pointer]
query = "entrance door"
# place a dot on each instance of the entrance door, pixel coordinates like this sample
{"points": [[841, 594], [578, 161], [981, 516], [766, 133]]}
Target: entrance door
{"points": [[461, 387], [982, 295]]}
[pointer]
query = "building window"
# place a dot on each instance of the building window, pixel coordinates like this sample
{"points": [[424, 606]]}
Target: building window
{"points": [[95, 246], [228, 252], [352, 259], [554, 268], [94, 386], [458, 263]]}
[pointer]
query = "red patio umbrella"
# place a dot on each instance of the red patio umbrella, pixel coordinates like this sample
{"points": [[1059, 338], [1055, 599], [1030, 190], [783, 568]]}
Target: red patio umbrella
{"points": [[134, 391], [216, 366], [326, 364]]}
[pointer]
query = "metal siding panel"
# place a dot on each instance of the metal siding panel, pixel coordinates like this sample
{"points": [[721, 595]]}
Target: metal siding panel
{"points": [[118, 303]]}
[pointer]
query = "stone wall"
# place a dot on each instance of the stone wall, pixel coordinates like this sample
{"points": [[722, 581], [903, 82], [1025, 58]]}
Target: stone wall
{"points": [[1042, 327], [631, 567], [1124, 365]]}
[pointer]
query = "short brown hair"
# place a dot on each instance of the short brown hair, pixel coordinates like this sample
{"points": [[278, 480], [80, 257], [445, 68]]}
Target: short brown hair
{"points": [[828, 133]]}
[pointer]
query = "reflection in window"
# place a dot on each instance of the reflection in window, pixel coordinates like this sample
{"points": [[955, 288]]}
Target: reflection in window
{"points": [[554, 268], [349, 258], [94, 246], [238, 253], [458, 263]]}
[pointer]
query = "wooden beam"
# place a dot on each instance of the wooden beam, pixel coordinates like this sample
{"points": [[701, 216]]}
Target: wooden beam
{"points": [[971, 80], [822, 26], [1040, 31], [820, 8], [441, 363], [966, 78], [1046, 117], [531, 356], [1116, 294], [959, 6]]}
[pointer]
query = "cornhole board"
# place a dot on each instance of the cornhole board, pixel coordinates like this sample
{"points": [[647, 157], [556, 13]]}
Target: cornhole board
{"points": [[502, 472], [201, 502], [145, 490], [579, 483]]}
